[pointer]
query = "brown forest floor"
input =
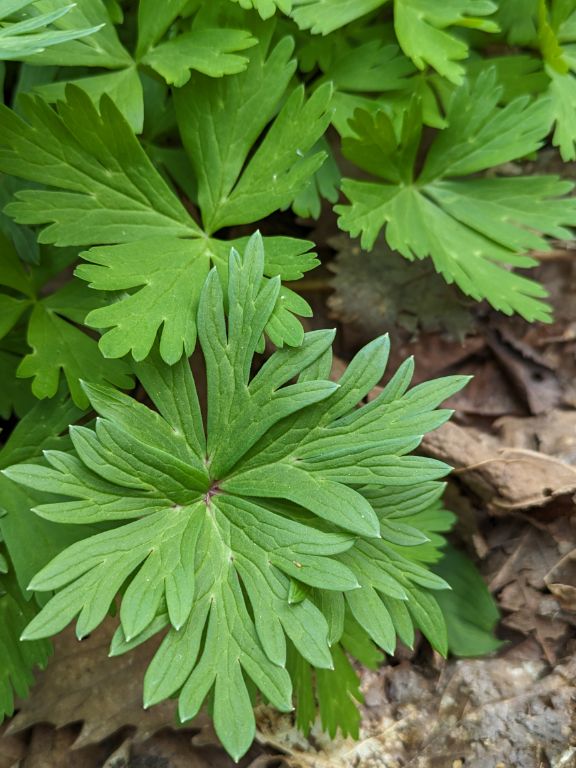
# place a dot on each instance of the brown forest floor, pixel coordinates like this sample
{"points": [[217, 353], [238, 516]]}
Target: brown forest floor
{"points": [[513, 445]]}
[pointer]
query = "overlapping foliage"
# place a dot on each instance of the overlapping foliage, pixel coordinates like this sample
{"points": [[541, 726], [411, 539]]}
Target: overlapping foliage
{"points": [[286, 529], [240, 544]]}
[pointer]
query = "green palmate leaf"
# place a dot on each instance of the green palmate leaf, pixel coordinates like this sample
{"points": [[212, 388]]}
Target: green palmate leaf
{"points": [[123, 86], [238, 545], [205, 42], [324, 16], [324, 185], [219, 127], [210, 43], [518, 20], [171, 273], [10, 311], [111, 192], [22, 238], [59, 347], [333, 692], [551, 28], [562, 94], [471, 228], [394, 597], [378, 69], [154, 20], [27, 31], [13, 273], [421, 27], [14, 398], [107, 191], [31, 542], [39, 430], [372, 66], [519, 75]]}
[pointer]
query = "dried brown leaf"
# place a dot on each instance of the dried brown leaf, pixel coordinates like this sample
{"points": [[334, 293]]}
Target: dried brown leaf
{"points": [[507, 478], [12, 749], [553, 433], [81, 684], [379, 289]]}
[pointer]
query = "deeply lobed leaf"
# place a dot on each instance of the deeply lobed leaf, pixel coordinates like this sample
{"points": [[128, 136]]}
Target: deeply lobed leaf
{"points": [[471, 228], [107, 192], [212, 535]]}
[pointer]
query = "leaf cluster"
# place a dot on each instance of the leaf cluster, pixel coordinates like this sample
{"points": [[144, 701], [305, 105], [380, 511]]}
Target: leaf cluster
{"points": [[185, 75], [284, 526], [317, 525]]}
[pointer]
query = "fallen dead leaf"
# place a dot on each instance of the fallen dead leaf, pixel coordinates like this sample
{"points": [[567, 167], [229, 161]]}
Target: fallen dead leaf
{"points": [[506, 478], [12, 749], [379, 290], [81, 684], [50, 748], [553, 433], [533, 379], [534, 578]]}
